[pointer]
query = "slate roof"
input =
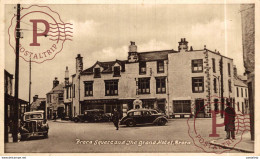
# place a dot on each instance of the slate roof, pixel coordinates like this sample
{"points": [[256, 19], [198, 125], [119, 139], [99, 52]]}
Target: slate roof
{"points": [[154, 55], [238, 82], [107, 66], [37, 103], [58, 88]]}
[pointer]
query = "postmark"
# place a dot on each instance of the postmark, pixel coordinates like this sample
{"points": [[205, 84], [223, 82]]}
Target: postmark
{"points": [[42, 33], [205, 137]]}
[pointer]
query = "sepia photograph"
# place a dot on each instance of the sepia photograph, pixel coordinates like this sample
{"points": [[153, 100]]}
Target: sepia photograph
{"points": [[129, 78]]}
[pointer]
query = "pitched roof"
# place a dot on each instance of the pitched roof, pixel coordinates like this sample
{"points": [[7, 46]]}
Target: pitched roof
{"points": [[58, 88], [154, 55], [238, 82], [37, 103], [107, 66]]}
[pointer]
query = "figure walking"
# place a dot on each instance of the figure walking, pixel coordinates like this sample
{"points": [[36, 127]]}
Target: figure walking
{"points": [[229, 122], [115, 118]]}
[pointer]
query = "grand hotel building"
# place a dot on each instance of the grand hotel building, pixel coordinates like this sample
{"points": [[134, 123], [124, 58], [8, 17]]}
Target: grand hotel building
{"points": [[171, 81]]}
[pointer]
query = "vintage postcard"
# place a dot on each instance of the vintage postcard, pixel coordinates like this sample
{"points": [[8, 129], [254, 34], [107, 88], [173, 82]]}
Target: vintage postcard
{"points": [[154, 77]]}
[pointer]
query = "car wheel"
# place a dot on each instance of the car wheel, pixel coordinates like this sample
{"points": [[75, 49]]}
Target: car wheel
{"points": [[45, 135], [161, 122], [76, 120], [130, 123]]}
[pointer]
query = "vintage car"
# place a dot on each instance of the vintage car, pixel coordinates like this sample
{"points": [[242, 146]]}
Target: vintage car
{"points": [[143, 116], [92, 115], [33, 124]]}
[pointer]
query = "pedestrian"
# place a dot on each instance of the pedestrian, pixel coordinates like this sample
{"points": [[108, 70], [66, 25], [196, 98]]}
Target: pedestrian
{"points": [[115, 118], [54, 116], [229, 122]]}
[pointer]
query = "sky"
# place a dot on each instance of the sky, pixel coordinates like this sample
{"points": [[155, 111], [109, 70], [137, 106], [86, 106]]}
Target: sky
{"points": [[104, 32]]}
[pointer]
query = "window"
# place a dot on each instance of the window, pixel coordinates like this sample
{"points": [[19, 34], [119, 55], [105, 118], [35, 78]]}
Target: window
{"points": [[142, 67], [229, 71], [111, 87], [74, 90], [197, 65], [97, 73], [238, 108], [213, 65], [67, 92], [60, 96], [144, 85], [70, 91], [160, 85], [237, 92], [182, 106], [160, 66], [116, 71], [241, 92], [215, 85], [245, 92], [88, 88], [197, 84], [229, 86]]}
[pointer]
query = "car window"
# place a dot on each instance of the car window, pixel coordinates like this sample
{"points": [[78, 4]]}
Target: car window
{"points": [[154, 112], [137, 113], [146, 113]]}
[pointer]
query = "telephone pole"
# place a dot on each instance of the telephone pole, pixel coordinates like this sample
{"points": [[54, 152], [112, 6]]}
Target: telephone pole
{"points": [[30, 83], [221, 87], [16, 102]]}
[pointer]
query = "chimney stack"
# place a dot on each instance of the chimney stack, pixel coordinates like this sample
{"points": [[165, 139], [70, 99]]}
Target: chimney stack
{"points": [[66, 76], [35, 98], [183, 45], [132, 54], [79, 64], [55, 82]]}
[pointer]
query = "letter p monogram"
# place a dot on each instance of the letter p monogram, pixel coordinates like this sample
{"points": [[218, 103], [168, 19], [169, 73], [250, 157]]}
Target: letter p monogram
{"points": [[35, 33], [215, 125]]}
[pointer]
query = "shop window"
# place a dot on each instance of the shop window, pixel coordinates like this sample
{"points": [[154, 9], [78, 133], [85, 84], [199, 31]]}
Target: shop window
{"points": [[111, 87], [142, 67], [197, 65], [197, 84], [182, 106], [88, 88], [160, 85], [160, 66], [144, 85]]}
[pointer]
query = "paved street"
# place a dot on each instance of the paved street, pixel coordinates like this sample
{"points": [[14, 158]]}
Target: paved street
{"points": [[67, 136]]}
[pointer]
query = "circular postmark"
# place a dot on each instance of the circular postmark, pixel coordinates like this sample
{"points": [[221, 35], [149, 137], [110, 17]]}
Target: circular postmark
{"points": [[221, 132], [41, 31]]}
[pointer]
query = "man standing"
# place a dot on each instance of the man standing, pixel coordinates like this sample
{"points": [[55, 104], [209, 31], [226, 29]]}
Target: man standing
{"points": [[115, 118], [229, 122]]}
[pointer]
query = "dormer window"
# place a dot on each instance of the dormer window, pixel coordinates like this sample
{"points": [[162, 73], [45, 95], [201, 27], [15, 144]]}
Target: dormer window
{"points": [[116, 71], [142, 67], [97, 73]]}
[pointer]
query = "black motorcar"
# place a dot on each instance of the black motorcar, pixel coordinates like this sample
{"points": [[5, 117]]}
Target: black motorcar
{"points": [[33, 124], [143, 116], [92, 115]]}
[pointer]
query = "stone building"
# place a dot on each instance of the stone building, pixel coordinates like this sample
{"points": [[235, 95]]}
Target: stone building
{"points": [[55, 101], [178, 83], [248, 41]]}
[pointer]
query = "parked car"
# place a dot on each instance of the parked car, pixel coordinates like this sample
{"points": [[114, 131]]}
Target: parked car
{"points": [[143, 116], [33, 124], [93, 115]]}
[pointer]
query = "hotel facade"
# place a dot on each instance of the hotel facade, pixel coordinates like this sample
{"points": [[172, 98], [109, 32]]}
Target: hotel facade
{"points": [[179, 83]]}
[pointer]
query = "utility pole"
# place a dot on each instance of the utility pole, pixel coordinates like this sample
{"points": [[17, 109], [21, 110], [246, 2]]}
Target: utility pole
{"points": [[221, 89], [30, 83], [16, 102]]}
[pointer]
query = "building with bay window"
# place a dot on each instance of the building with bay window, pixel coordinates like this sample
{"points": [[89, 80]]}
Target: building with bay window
{"points": [[179, 83]]}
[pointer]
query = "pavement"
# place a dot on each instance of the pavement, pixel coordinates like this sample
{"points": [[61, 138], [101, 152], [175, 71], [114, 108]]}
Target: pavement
{"points": [[245, 145]]}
